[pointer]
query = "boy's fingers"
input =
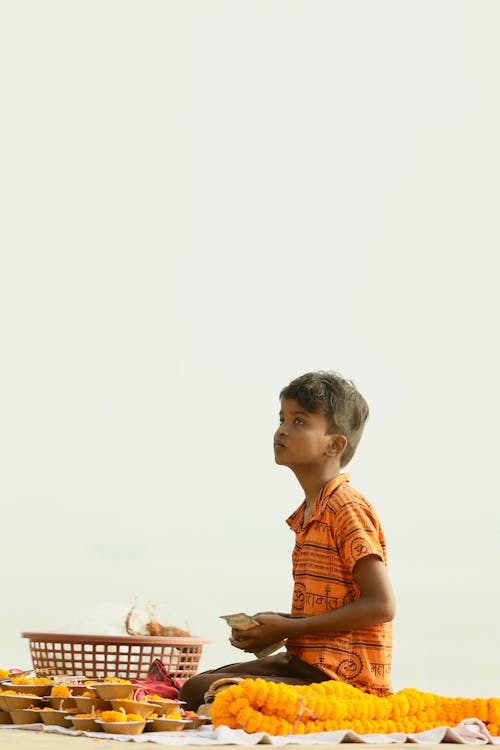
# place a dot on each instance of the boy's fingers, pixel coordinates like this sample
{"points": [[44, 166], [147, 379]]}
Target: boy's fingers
{"points": [[238, 642], [242, 642]]}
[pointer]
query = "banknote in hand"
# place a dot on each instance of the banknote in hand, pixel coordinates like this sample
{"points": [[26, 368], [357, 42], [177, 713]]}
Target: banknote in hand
{"points": [[242, 621]]}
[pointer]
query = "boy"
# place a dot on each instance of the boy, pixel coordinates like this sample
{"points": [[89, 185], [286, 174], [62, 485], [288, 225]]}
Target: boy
{"points": [[340, 623]]}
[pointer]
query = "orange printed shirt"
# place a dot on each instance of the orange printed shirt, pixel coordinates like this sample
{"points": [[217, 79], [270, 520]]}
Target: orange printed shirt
{"points": [[341, 529]]}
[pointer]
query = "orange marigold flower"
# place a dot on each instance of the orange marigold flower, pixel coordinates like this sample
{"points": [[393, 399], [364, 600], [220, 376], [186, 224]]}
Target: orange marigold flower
{"points": [[21, 680], [275, 708], [113, 716], [60, 691]]}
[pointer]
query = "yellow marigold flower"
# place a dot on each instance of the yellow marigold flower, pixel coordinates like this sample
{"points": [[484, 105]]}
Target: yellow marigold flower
{"points": [[21, 680], [113, 716], [4, 674], [60, 691]]}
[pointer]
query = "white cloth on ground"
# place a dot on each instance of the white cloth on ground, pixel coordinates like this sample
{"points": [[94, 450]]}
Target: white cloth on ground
{"points": [[469, 731]]}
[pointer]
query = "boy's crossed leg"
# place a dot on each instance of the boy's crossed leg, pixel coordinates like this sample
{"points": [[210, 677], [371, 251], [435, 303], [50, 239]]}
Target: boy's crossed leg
{"points": [[282, 667]]}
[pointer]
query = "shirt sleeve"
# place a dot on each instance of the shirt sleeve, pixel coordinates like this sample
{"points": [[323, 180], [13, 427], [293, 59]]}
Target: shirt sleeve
{"points": [[358, 533]]}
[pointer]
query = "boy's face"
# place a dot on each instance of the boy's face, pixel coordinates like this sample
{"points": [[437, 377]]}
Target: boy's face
{"points": [[301, 439]]}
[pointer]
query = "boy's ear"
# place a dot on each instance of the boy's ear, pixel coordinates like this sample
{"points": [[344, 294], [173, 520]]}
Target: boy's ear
{"points": [[337, 445]]}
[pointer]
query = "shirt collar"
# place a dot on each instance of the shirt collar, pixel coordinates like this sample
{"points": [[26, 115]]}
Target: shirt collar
{"points": [[295, 521]]}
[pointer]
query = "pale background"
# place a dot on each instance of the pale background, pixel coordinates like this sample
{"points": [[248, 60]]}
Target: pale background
{"points": [[200, 201]]}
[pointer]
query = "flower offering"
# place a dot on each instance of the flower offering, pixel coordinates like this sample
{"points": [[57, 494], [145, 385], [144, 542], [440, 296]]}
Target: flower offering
{"points": [[279, 709]]}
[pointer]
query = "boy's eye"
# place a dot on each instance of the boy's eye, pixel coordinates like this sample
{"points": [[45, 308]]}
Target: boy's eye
{"points": [[298, 420], [281, 420]]}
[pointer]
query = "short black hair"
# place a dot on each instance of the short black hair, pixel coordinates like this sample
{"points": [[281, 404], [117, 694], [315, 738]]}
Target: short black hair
{"points": [[338, 399]]}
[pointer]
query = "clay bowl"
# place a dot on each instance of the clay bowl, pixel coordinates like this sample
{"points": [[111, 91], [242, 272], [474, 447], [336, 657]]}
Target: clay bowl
{"points": [[51, 716], [108, 691], [196, 722], [85, 704], [134, 707], [85, 724], [77, 689], [62, 703], [166, 706], [25, 716], [167, 725], [5, 717], [16, 702], [39, 690], [122, 727]]}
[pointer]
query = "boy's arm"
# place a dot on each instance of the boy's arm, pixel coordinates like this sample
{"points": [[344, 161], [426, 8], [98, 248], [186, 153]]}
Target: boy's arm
{"points": [[272, 612], [375, 605]]}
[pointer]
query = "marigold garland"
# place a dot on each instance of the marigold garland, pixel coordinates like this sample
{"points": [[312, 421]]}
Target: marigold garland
{"points": [[276, 708]]}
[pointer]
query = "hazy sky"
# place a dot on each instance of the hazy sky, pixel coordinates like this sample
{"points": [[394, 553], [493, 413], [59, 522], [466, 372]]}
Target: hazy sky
{"points": [[200, 201]]}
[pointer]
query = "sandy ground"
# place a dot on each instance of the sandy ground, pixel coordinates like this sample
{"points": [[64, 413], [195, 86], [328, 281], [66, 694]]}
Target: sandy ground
{"points": [[15, 739]]}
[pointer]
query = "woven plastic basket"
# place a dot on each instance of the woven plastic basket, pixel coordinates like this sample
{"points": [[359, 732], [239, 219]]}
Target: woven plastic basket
{"points": [[122, 655]]}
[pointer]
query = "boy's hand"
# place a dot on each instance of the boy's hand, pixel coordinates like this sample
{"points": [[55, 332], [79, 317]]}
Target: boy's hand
{"points": [[271, 628]]}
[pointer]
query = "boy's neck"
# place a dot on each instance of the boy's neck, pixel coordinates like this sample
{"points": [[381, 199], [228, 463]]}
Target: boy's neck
{"points": [[313, 482]]}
